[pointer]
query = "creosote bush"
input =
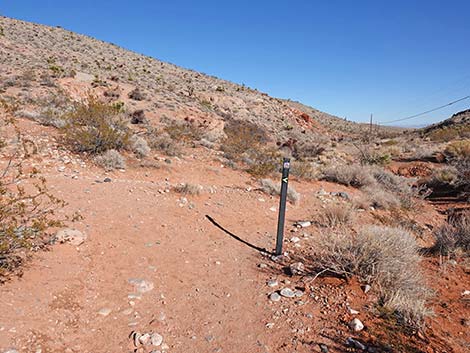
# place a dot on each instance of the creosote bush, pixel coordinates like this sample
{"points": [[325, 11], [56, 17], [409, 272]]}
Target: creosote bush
{"points": [[386, 258], [95, 127], [27, 212], [246, 142]]}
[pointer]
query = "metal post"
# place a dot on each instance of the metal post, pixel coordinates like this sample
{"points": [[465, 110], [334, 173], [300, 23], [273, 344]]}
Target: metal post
{"points": [[282, 205]]}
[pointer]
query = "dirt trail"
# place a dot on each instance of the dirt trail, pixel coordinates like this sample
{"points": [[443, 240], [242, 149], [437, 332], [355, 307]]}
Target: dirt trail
{"points": [[207, 286]]}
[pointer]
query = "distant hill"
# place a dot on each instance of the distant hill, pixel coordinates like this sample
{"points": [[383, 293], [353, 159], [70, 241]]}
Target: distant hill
{"points": [[457, 126]]}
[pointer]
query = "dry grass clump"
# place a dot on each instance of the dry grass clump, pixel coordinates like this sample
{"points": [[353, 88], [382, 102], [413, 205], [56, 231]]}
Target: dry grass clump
{"points": [[380, 198], [334, 215], [164, 143], [95, 127], [139, 146], [183, 132], [188, 189], [350, 175], [110, 160], [304, 170], [453, 237], [386, 258], [458, 149], [271, 188]]}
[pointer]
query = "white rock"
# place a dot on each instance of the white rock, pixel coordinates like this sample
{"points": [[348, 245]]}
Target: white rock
{"points": [[145, 339], [295, 239], [367, 288], [141, 285], [466, 292], [352, 311], [287, 293], [304, 224], [356, 325], [275, 297], [105, 311], [272, 283], [72, 236], [156, 339]]}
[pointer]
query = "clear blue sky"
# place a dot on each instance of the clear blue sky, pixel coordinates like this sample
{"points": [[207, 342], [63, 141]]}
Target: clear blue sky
{"points": [[346, 57]]}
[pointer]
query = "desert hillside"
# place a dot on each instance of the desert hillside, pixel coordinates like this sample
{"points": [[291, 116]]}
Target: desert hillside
{"points": [[139, 203]]}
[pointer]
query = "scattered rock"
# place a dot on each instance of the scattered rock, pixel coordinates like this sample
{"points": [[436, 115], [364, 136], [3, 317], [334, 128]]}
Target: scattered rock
{"points": [[141, 285], [274, 297], [107, 180], [341, 194], [262, 266], [72, 236], [323, 348], [466, 292], [295, 239], [353, 312], [303, 224], [366, 288], [145, 339], [356, 325], [351, 342], [296, 268], [272, 283], [287, 293], [156, 339], [104, 311]]}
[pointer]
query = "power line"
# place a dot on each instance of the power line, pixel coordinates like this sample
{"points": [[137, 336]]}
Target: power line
{"points": [[426, 112]]}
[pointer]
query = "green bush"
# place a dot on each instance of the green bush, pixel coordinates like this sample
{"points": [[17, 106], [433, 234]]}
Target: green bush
{"points": [[95, 127]]}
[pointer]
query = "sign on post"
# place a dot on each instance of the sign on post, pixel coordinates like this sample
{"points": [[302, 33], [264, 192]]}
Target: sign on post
{"points": [[282, 205]]}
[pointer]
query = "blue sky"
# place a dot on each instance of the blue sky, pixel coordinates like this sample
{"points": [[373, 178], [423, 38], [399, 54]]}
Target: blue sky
{"points": [[349, 58]]}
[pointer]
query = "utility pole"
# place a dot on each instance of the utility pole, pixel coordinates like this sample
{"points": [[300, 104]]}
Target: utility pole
{"points": [[371, 124]]}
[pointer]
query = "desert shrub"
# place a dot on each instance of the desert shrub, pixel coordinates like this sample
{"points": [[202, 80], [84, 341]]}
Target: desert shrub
{"points": [[368, 156], [111, 159], [136, 95], [27, 212], [139, 146], [304, 170], [443, 176], [242, 137], [387, 258], [335, 214], [263, 162], [380, 198], [248, 143], [163, 142], [350, 175], [271, 188], [458, 149], [454, 236], [188, 189], [183, 132], [95, 127], [447, 134], [308, 149]]}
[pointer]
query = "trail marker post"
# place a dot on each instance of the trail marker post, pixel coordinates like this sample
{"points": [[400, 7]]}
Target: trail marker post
{"points": [[282, 205]]}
